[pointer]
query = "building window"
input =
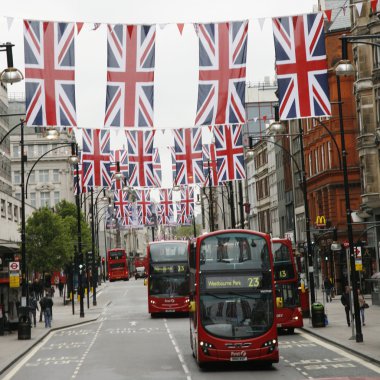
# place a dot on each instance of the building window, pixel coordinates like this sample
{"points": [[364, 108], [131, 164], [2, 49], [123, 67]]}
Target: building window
{"points": [[262, 188], [323, 157], [316, 161], [45, 198], [33, 199], [17, 177], [310, 165], [3, 211], [9, 211], [32, 177], [16, 151], [56, 197], [42, 149], [15, 213], [55, 175], [329, 154], [44, 176], [18, 196]]}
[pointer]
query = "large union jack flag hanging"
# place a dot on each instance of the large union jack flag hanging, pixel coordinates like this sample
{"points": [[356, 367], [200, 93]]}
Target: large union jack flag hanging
{"points": [[301, 66], [49, 73], [144, 206], [188, 156], [122, 207], [96, 158], [130, 75], [118, 158], [222, 61], [140, 158], [187, 202], [165, 209], [229, 152], [209, 165]]}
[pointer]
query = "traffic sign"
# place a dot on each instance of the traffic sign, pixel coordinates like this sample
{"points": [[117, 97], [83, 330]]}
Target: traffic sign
{"points": [[14, 266]]}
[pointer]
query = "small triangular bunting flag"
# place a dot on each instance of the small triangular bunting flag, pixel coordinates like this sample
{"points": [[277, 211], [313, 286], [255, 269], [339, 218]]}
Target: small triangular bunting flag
{"points": [[130, 30], [359, 7], [96, 26], [9, 22], [374, 5], [163, 26], [328, 13], [344, 10], [196, 28], [79, 26], [261, 21], [180, 28], [255, 119]]}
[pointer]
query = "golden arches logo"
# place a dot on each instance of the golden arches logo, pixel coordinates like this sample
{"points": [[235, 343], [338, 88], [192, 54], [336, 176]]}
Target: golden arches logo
{"points": [[320, 221]]}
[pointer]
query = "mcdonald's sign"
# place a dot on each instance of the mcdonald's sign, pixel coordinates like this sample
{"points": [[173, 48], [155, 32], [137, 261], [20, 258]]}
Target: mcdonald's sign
{"points": [[320, 221]]}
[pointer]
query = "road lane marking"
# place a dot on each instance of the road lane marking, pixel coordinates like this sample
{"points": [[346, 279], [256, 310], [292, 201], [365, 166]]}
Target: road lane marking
{"points": [[339, 351], [178, 351]]}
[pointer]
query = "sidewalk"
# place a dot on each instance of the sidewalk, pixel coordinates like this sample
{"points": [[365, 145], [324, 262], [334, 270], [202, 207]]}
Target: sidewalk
{"points": [[12, 349], [338, 333]]}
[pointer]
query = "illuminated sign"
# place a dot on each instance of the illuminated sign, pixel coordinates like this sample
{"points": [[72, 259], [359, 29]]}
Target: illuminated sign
{"points": [[320, 221], [168, 268], [232, 282]]}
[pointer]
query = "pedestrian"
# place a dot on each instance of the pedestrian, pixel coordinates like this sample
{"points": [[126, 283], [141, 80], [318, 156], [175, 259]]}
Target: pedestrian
{"points": [[48, 308], [42, 307], [327, 284], [361, 304], [33, 307], [60, 287], [345, 299]]}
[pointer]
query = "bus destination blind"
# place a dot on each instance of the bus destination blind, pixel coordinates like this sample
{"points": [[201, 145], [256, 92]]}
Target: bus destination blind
{"points": [[232, 282], [169, 268]]}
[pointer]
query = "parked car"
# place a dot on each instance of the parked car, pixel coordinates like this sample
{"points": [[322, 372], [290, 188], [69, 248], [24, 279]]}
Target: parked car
{"points": [[140, 273]]}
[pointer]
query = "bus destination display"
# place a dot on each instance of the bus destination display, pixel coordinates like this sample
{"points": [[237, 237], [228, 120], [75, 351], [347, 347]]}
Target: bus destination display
{"points": [[232, 282], [180, 268]]}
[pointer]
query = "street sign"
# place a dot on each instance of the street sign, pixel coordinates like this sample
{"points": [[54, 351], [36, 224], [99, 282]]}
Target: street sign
{"points": [[14, 266], [14, 280]]}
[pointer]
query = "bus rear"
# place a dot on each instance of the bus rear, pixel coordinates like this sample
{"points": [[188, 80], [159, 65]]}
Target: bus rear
{"points": [[232, 298], [117, 264], [168, 277], [289, 313]]}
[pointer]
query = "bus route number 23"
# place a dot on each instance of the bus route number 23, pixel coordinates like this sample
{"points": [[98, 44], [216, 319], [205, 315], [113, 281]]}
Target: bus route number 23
{"points": [[253, 282]]}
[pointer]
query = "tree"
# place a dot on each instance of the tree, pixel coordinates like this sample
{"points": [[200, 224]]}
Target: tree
{"points": [[47, 241], [68, 212], [186, 231]]}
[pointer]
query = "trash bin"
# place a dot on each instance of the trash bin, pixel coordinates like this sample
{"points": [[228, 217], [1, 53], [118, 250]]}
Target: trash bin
{"points": [[317, 315], [24, 324]]}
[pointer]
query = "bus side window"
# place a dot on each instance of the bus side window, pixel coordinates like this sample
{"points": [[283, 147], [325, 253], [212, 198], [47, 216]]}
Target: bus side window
{"points": [[192, 256]]}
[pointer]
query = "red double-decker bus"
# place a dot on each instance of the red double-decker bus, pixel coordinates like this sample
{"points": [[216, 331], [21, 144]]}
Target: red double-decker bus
{"points": [[168, 277], [117, 265], [232, 298], [289, 313]]}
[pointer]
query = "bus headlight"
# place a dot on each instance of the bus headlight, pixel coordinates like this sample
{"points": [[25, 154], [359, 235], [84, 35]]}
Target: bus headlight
{"points": [[270, 344], [205, 346], [152, 302]]}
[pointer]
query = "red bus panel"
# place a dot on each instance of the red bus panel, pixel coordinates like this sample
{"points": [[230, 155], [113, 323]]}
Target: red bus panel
{"points": [[168, 277], [289, 313], [117, 264], [232, 298]]}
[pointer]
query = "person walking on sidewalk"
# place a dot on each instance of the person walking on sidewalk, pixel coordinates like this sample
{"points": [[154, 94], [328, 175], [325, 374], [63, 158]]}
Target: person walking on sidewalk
{"points": [[361, 304], [327, 284], [345, 299], [33, 306], [47, 303]]}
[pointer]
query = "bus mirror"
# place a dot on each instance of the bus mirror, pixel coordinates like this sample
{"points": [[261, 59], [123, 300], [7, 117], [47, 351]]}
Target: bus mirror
{"points": [[279, 302], [192, 306], [145, 282]]}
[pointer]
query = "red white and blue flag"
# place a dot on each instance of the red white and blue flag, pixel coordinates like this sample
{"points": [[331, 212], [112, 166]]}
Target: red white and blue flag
{"points": [[140, 158], [301, 66], [209, 165], [122, 206], [188, 156], [165, 209], [96, 158], [130, 75], [222, 71], [50, 73], [229, 152], [157, 169], [118, 157], [144, 206], [187, 201]]}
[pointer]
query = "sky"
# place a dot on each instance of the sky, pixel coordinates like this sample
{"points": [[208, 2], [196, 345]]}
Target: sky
{"points": [[176, 70]]}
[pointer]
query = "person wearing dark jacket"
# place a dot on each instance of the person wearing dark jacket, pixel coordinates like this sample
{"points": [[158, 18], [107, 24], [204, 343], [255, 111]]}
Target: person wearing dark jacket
{"points": [[47, 307], [345, 299]]}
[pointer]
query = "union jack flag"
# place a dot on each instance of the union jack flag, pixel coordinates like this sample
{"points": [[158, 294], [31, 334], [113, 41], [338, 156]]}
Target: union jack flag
{"points": [[188, 156], [122, 206], [182, 218], [209, 165], [187, 201], [96, 158], [118, 157], [301, 66], [49, 73], [229, 152], [140, 156], [130, 75], [157, 170], [166, 207], [222, 61], [144, 206]]}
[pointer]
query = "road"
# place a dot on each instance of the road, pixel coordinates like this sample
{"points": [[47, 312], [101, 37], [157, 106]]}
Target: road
{"points": [[126, 343]]}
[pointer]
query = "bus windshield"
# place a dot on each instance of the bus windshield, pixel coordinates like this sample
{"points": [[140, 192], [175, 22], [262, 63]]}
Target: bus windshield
{"points": [[234, 251], [161, 252], [116, 255], [173, 285], [282, 262]]}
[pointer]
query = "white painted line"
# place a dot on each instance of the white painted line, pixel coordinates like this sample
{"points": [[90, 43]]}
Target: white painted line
{"points": [[341, 352], [178, 351]]}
